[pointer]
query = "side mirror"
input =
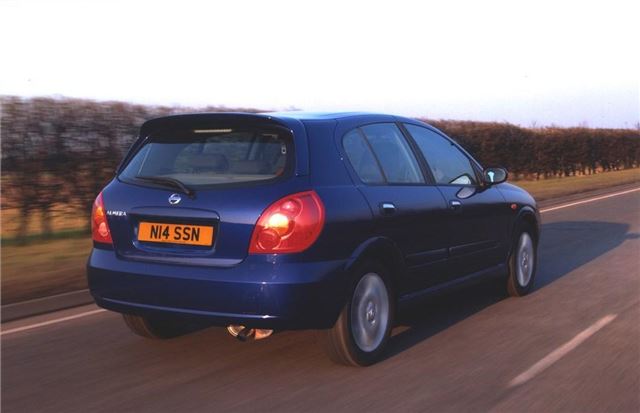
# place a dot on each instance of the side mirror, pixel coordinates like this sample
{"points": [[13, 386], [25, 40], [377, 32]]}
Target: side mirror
{"points": [[493, 176]]}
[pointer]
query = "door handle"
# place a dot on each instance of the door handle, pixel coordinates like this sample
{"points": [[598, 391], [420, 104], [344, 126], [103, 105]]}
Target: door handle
{"points": [[387, 208], [455, 205]]}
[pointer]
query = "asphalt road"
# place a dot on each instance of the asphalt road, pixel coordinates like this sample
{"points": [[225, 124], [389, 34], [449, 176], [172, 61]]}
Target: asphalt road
{"points": [[572, 345]]}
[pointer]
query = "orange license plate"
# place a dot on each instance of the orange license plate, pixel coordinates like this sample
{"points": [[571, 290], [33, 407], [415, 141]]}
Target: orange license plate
{"points": [[175, 233]]}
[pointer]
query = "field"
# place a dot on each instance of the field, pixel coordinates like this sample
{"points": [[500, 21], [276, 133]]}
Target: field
{"points": [[45, 267]]}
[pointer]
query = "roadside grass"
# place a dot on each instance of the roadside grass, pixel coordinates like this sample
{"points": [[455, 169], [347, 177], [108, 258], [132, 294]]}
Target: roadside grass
{"points": [[556, 187], [38, 238], [44, 267]]}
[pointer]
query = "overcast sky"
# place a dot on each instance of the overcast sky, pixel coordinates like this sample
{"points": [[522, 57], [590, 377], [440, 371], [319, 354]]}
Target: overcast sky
{"points": [[526, 62]]}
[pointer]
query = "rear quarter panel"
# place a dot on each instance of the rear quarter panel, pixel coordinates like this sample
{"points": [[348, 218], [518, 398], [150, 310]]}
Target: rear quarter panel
{"points": [[348, 220]]}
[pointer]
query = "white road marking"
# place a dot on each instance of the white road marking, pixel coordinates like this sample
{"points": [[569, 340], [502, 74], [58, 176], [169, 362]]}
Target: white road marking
{"points": [[59, 320], [561, 351], [585, 201], [55, 321]]}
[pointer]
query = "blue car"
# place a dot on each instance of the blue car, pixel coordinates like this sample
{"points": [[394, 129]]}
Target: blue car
{"points": [[326, 221]]}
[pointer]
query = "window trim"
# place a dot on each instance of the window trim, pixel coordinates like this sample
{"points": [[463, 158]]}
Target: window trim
{"points": [[375, 157], [422, 161]]}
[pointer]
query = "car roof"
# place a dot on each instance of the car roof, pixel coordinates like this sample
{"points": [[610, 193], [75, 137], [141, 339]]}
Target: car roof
{"points": [[303, 115], [328, 116], [288, 118]]}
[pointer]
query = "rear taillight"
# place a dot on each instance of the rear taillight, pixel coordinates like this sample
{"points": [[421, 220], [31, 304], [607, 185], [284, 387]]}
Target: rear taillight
{"points": [[99, 226], [291, 224]]}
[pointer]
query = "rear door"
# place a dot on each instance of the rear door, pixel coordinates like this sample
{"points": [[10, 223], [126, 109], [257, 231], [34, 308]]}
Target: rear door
{"points": [[477, 219], [405, 208], [192, 193]]}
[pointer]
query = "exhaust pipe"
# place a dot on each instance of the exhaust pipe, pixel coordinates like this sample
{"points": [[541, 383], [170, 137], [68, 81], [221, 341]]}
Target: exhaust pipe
{"points": [[243, 333]]}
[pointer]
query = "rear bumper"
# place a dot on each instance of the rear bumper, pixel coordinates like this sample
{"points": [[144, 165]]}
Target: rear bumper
{"points": [[262, 292]]}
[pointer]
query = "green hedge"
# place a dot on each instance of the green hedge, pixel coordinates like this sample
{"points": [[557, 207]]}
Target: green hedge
{"points": [[546, 152]]}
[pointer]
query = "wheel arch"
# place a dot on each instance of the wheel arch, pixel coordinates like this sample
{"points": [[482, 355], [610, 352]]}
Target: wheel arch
{"points": [[528, 217], [383, 250]]}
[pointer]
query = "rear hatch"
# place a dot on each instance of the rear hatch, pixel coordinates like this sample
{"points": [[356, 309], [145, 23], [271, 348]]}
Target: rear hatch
{"points": [[191, 191]]}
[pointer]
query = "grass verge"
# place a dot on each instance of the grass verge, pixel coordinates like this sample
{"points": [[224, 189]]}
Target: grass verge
{"points": [[557, 187], [46, 267]]}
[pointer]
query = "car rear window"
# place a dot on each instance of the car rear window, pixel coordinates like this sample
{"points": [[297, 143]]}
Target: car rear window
{"points": [[213, 156]]}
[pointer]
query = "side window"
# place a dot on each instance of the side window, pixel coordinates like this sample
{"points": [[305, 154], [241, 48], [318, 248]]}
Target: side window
{"points": [[399, 165], [448, 164], [361, 158]]}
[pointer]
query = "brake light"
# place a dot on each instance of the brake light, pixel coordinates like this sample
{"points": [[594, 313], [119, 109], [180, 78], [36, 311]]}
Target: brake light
{"points": [[291, 224], [99, 226]]}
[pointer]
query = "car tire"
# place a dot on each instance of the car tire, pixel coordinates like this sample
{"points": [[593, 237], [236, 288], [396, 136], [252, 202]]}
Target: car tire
{"points": [[522, 263], [363, 328], [156, 328]]}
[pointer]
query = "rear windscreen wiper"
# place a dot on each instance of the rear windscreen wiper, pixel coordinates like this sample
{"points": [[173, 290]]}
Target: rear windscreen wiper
{"points": [[171, 182]]}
